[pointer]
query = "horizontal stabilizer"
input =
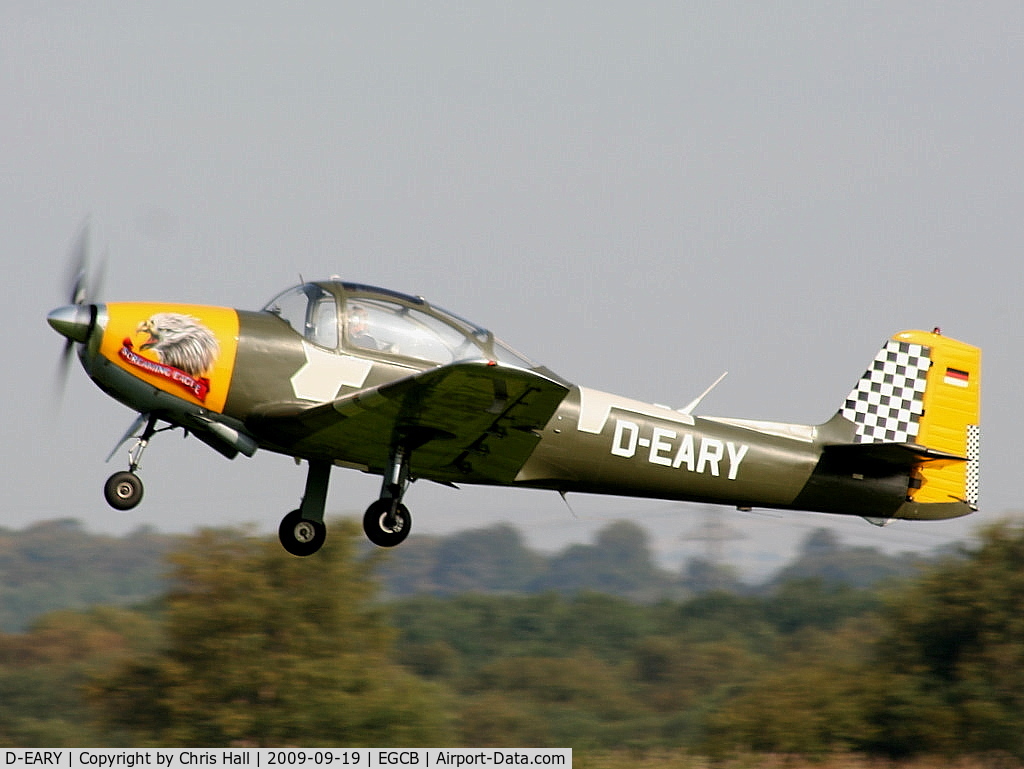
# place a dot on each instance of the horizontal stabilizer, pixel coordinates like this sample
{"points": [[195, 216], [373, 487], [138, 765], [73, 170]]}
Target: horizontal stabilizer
{"points": [[896, 455]]}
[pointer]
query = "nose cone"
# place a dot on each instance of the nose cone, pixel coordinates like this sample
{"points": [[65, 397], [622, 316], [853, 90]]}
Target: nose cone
{"points": [[74, 321]]}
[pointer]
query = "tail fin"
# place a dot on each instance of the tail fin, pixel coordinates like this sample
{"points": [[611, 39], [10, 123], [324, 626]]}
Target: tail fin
{"points": [[922, 391]]}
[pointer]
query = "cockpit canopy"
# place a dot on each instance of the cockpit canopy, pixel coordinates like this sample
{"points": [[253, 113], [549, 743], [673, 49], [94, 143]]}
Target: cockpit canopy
{"points": [[374, 321]]}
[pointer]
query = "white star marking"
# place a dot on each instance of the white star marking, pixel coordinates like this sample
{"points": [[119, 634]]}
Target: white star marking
{"points": [[324, 373]]}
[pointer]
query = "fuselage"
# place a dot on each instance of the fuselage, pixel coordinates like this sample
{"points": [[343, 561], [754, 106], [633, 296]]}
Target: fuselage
{"points": [[338, 373], [603, 443], [225, 374]]}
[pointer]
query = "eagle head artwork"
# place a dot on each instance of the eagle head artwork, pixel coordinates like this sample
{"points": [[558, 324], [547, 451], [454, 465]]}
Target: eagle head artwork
{"points": [[180, 341]]}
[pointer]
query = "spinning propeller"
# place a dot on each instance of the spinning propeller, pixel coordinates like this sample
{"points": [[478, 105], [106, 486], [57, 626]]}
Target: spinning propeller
{"points": [[76, 320]]}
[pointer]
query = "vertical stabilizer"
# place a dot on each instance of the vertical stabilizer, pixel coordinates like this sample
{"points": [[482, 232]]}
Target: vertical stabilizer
{"points": [[923, 389]]}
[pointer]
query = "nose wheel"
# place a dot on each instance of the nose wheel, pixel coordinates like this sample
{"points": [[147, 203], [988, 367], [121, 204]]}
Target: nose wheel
{"points": [[123, 490]]}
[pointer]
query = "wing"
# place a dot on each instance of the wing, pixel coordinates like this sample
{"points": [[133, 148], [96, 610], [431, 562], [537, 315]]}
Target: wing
{"points": [[475, 422]]}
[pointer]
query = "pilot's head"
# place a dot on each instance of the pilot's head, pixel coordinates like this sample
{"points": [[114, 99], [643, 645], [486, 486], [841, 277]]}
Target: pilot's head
{"points": [[357, 319]]}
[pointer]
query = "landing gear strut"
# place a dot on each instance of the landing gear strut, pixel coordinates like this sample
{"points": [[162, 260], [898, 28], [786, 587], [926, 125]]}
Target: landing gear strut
{"points": [[303, 532], [387, 521], [123, 490]]}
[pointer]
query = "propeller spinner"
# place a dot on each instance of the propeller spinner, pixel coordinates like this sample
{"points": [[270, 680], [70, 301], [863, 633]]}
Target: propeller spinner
{"points": [[76, 320]]}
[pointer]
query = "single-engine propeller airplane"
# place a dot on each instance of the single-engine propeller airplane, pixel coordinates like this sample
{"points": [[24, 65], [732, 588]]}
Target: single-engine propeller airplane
{"points": [[339, 373]]}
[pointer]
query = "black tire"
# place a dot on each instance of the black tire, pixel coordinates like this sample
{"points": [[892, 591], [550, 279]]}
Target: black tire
{"points": [[123, 490], [299, 536], [382, 532]]}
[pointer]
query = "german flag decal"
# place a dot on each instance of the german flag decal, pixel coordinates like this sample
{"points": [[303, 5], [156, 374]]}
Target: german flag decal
{"points": [[956, 377]]}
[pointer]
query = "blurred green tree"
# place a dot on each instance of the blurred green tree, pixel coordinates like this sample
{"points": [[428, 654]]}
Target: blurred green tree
{"points": [[809, 702], [266, 649], [41, 672], [940, 670], [959, 631], [823, 557], [618, 563]]}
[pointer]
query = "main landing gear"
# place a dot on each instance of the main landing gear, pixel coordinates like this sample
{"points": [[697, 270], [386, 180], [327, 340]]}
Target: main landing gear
{"points": [[387, 521], [302, 532]]}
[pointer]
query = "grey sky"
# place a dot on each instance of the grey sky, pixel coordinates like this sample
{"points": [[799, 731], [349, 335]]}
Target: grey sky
{"points": [[641, 196]]}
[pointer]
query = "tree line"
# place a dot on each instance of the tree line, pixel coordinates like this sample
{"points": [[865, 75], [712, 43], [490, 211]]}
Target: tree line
{"points": [[250, 646], [58, 565]]}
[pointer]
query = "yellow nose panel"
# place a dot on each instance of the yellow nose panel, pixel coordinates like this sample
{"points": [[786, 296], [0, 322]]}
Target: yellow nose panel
{"points": [[185, 350]]}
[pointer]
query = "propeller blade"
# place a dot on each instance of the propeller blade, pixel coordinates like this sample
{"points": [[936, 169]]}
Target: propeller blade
{"points": [[76, 280], [99, 278], [60, 380]]}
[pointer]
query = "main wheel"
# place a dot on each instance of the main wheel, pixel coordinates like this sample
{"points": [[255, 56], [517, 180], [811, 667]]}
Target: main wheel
{"points": [[384, 529], [299, 536], [123, 490]]}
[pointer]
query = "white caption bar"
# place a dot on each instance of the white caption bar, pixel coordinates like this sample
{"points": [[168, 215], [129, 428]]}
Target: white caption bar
{"points": [[261, 758]]}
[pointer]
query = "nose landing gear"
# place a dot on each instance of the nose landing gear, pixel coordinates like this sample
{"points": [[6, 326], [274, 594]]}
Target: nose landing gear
{"points": [[123, 490]]}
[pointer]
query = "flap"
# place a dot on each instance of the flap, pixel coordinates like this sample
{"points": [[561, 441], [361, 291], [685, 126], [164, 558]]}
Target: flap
{"points": [[470, 421]]}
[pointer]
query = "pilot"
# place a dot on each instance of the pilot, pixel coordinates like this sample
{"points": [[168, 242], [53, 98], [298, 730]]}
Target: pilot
{"points": [[357, 329]]}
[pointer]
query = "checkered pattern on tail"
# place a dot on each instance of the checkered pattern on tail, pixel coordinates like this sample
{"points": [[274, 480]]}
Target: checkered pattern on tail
{"points": [[887, 403], [973, 463]]}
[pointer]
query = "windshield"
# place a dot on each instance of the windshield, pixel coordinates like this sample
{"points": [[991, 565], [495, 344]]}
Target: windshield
{"points": [[311, 311], [502, 352], [505, 354]]}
